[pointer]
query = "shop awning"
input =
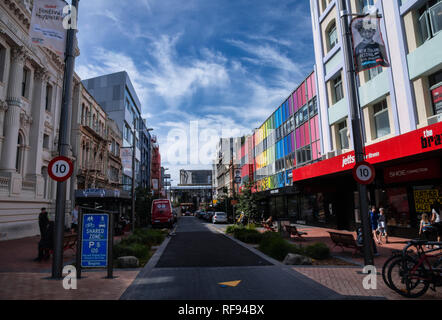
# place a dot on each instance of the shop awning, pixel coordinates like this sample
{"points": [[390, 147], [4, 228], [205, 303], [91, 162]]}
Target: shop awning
{"points": [[408, 144]]}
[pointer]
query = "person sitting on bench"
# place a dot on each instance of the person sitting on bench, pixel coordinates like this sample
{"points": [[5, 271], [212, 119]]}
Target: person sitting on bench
{"points": [[268, 224]]}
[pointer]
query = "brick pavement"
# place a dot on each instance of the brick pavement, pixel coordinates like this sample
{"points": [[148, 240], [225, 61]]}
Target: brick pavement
{"points": [[348, 281], [23, 279], [36, 286]]}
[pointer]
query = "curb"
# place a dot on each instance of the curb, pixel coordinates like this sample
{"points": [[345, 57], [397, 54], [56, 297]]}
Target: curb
{"points": [[144, 272]]}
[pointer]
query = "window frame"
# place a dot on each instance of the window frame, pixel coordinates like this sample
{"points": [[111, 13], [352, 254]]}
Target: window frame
{"points": [[377, 114]]}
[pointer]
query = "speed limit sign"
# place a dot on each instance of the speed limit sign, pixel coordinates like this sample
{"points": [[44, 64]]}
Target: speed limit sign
{"points": [[364, 172], [60, 169]]}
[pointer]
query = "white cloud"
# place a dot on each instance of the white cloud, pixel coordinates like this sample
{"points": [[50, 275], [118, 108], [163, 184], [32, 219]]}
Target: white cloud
{"points": [[267, 55]]}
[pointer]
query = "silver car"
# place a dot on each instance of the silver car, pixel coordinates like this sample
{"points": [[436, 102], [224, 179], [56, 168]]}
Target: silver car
{"points": [[219, 217]]}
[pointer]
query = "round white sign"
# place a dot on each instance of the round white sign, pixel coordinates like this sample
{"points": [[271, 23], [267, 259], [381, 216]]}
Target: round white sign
{"points": [[60, 168], [364, 173]]}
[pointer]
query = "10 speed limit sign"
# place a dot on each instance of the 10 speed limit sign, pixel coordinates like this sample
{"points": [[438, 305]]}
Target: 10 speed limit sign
{"points": [[60, 169], [364, 172]]}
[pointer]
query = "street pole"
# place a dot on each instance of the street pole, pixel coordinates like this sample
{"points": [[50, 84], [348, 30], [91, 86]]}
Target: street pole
{"points": [[63, 149], [358, 143], [133, 177]]}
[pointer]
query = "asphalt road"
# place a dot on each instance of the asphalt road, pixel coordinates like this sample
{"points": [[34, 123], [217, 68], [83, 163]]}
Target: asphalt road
{"points": [[191, 264]]}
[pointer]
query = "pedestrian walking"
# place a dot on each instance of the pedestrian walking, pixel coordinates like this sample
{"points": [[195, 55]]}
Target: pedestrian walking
{"points": [[74, 224], [374, 217], [435, 220], [382, 226], [425, 228]]}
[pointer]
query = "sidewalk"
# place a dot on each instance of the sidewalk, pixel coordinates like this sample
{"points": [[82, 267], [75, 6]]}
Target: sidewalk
{"points": [[348, 280], [21, 278]]}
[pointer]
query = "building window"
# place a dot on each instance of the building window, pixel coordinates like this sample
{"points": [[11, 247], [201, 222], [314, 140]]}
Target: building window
{"points": [[436, 91], [45, 141], [381, 121], [332, 36], [430, 19], [366, 5], [373, 72], [19, 158], [313, 107], [48, 99], [2, 62], [338, 92], [304, 155], [25, 82], [343, 137]]}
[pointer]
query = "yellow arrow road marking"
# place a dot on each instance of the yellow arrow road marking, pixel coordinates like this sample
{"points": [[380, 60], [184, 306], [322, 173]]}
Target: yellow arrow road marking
{"points": [[230, 283]]}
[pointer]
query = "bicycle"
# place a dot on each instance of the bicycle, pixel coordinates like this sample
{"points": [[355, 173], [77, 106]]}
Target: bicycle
{"points": [[394, 255], [411, 276]]}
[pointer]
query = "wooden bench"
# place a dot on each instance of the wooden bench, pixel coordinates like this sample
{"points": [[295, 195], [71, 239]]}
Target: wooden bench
{"points": [[345, 240], [294, 233]]}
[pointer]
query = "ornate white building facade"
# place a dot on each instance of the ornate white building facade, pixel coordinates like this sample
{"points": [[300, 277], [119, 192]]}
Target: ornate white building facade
{"points": [[31, 80]]}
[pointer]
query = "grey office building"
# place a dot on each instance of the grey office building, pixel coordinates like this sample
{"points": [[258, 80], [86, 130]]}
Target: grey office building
{"points": [[116, 95]]}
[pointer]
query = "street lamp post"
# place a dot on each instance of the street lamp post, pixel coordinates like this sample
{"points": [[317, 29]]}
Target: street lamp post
{"points": [[358, 143]]}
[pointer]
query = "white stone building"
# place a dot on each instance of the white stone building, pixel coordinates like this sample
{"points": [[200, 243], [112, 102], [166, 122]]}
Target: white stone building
{"points": [[31, 81]]}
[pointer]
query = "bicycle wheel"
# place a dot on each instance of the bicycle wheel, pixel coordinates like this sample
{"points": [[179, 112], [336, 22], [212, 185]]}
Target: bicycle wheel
{"points": [[386, 266], [403, 280]]}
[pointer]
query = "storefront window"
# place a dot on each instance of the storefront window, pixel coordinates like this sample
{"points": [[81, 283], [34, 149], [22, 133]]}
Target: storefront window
{"points": [[292, 207], [398, 212], [425, 196], [312, 208]]}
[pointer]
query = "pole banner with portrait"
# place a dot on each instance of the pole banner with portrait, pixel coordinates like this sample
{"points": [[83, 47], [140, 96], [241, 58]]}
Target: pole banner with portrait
{"points": [[368, 46], [47, 25]]}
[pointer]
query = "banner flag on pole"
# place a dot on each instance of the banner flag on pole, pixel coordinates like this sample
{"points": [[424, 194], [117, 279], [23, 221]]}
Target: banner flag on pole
{"points": [[47, 25], [368, 46]]}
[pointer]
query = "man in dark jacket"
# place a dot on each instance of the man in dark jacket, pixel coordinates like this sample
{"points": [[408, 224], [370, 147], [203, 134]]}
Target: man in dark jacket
{"points": [[43, 221], [46, 242]]}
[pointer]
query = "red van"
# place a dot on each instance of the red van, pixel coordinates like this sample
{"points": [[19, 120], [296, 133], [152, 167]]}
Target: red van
{"points": [[162, 213]]}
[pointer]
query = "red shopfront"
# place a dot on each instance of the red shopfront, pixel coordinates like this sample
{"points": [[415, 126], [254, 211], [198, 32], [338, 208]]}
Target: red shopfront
{"points": [[408, 179]]}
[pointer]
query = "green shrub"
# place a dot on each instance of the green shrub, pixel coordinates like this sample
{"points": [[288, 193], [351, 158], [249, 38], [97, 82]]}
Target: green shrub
{"points": [[135, 249], [146, 236], [275, 246], [247, 235], [231, 229], [251, 226], [317, 251]]}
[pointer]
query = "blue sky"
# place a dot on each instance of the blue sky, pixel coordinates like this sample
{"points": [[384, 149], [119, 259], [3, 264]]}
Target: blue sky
{"points": [[223, 63]]}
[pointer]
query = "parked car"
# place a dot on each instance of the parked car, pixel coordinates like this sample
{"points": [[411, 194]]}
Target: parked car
{"points": [[202, 215], [220, 217], [187, 213], [162, 213]]}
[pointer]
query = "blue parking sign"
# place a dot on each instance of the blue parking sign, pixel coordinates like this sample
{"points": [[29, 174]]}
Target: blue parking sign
{"points": [[94, 237]]}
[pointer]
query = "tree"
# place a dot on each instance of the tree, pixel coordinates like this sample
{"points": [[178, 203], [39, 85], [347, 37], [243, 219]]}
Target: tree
{"points": [[248, 202], [143, 204]]}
